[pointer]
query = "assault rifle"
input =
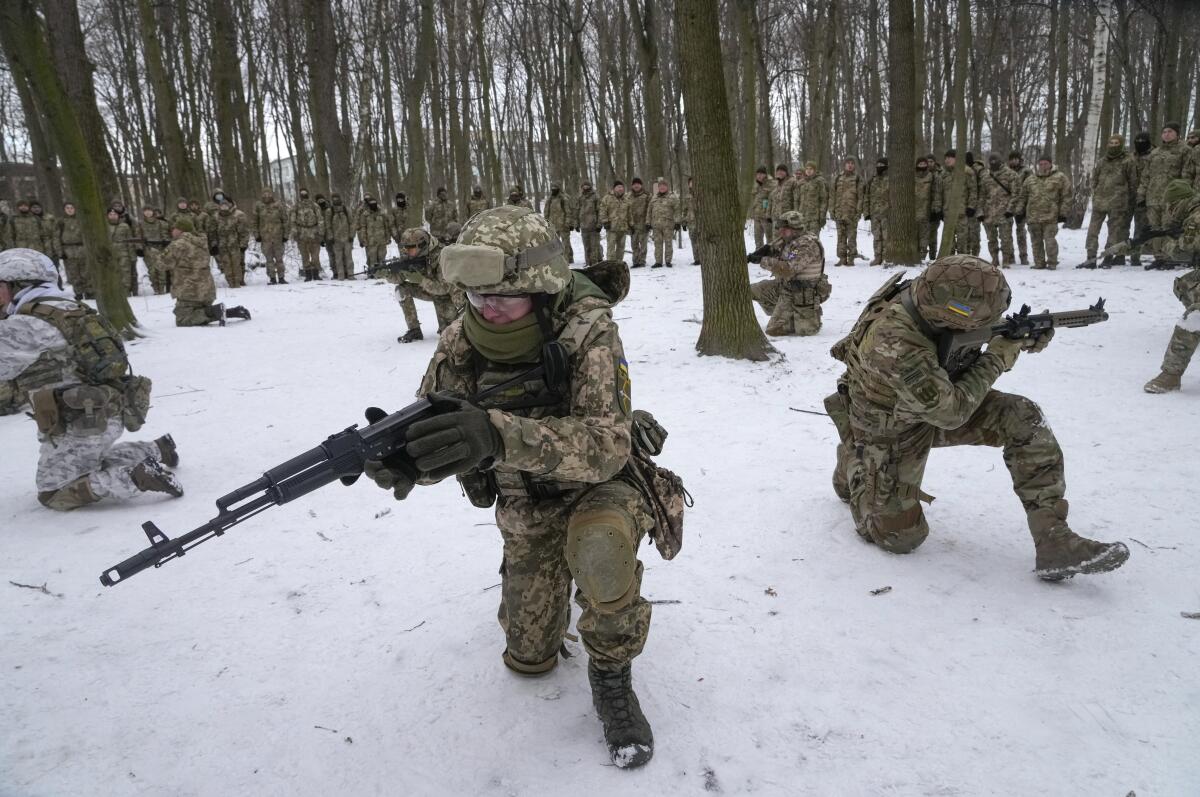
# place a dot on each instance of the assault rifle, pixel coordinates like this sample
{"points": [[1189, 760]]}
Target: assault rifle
{"points": [[958, 351], [397, 265], [1124, 247], [340, 457], [758, 254]]}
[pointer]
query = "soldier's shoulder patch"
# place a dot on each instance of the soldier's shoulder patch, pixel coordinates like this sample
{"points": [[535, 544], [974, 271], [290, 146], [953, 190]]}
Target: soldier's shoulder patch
{"points": [[919, 383], [624, 386]]}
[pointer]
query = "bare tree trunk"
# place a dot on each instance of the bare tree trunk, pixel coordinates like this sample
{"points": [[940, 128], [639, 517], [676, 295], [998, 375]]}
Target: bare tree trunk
{"points": [[49, 186], [322, 55], [416, 90], [1099, 93], [953, 206], [903, 140]]}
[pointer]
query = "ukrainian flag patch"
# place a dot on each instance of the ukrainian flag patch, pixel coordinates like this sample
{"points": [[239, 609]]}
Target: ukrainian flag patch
{"points": [[624, 386], [960, 308]]}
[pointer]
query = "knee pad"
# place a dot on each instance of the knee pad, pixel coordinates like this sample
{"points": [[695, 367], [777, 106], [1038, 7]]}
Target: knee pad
{"points": [[70, 496], [601, 555], [526, 670], [902, 532]]}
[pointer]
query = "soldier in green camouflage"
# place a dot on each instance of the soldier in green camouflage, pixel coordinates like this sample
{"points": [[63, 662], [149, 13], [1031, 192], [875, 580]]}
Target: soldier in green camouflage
{"points": [[928, 205], [615, 220], [1164, 164], [998, 195], [185, 261], [154, 233], [425, 283], [551, 456], [847, 209], [340, 229], [1044, 201], [812, 200], [799, 286], [938, 203], [439, 213], [230, 235], [1184, 205], [975, 171], [271, 230], [25, 230], [559, 213], [1016, 162], [665, 219], [639, 223], [877, 207], [476, 203], [516, 197], [1114, 196], [970, 201], [760, 206], [374, 233], [46, 225], [895, 403], [73, 251], [308, 231], [1191, 169], [124, 254], [783, 193], [587, 221]]}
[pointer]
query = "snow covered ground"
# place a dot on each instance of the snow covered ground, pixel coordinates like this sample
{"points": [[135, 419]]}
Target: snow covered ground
{"points": [[346, 644]]}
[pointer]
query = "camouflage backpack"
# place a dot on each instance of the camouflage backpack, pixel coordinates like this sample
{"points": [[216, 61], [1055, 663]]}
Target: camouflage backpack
{"points": [[876, 305]]}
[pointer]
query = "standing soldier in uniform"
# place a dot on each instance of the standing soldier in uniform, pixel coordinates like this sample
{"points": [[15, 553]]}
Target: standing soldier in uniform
{"points": [[614, 218], [475, 204], [998, 195], [970, 200], [1185, 206], [1016, 162], [231, 235], [1044, 200], [339, 232], [797, 262], [200, 218], [271, 230], [639, 223], [154, 233], [760, 206], [516, 197], [552, 465], [124, 256], [938, 202], [896, 402], [558, 213], [24, 228], [783, 194], [587, 221], [1163, 165], [812, 195], [185, 261], [847, 210], [876, 207], [1114, 195], [439, 213], [74, 253], [374, 232], [46, 227], [664, 217], [423, 282], [927, 204], [308, 230], [1191, 169], [181, 210], [71, 364], [975, 171]]}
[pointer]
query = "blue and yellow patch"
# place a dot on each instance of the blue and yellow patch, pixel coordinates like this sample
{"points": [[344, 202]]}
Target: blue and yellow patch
{"points": [[624, 386], [963, 310]]}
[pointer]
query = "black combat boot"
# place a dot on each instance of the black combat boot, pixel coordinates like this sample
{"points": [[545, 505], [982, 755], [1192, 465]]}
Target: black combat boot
{"points": [[150, 476], [238, 312], [216, 312], [411, 336], [626, 730], [272, 282], [169, 453], [282, 281], [657, 265]]}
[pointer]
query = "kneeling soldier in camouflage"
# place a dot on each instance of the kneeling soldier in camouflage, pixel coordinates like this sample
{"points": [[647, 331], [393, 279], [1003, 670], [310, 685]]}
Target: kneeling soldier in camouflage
{"points": [[185, 262], [70, 364], [895, 402], [423, 281], [794, 297], [1184, 209], [552, 452]]}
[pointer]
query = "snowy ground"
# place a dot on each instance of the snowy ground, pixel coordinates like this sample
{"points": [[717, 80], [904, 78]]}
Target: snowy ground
{"points": [[347, 644]]}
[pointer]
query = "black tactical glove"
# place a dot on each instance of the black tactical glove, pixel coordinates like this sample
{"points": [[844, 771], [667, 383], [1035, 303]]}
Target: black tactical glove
{"points": [[212, 250], [1062, 219], [1038, 343], [458, 439], [970, 213], [258, 238], [648, 434], [395, 472]]}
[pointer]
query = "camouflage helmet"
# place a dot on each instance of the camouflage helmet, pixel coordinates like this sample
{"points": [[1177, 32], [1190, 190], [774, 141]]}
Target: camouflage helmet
{"points": [[506, 250], [26, 265], [184, 224], [1177, 191], [961, 292], [792, 220], [453, 230], [415, 236]]}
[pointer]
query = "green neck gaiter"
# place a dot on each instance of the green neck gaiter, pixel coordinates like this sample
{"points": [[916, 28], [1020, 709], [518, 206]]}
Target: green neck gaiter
{"points": [[518, 342]]}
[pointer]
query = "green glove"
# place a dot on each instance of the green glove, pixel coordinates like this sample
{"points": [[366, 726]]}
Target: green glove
{"points": [[648, 434], [1039, 343], [458, 439], [395, 472], [1006, 349]]}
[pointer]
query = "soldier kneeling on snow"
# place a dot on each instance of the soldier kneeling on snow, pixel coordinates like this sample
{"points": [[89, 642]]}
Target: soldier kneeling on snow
{"points": [[794, 296], [186, 262], [70, 364]]}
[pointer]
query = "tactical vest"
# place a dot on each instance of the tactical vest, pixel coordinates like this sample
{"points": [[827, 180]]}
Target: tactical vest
{"points": [[96, 347], [846, 350]]}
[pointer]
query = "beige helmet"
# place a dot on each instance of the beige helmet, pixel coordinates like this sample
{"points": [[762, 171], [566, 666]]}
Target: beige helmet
{"points": [[961, 292], [506, 250], [792, 220], [415, 236]]}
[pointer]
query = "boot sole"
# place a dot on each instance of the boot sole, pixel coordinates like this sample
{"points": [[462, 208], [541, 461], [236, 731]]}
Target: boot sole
{"points": [[1112, 558]]}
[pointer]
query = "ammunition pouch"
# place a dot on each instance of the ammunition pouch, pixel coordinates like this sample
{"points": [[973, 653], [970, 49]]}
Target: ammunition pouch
{"points": [[519, 484], [662, 488], [478, 488], [135, 404], [85, 409], [838, 407], [45, 412]]}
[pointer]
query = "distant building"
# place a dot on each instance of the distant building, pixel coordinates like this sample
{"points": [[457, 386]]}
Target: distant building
{"points": [[17, 180]]}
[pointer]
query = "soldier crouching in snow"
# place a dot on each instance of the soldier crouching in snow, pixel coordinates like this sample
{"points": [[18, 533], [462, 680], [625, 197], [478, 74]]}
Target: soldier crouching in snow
{"points": [[794, 296], [70, 364]]}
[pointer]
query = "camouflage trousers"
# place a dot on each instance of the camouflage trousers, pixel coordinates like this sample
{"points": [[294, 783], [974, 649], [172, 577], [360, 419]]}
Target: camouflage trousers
{"points": [[1022, 246], [1044, 240], [75, 260], [664, 245], [847, 240], [341, 259], [792, 313], [592, 541], [637, 240], [999, 237], [926, 238], [614, 248], [127, 268], [1186, 336], [233, 266], [880, 475], [762, 232], [310, 253], [1140, 222], [160, 280], [591, 247], [1118, 229], [192, 314], [812, 225], [1157, 218], [445, 306], [272, 250], [962, 236], [75, 470], [564, 235], [879, 233], [973, 239]]}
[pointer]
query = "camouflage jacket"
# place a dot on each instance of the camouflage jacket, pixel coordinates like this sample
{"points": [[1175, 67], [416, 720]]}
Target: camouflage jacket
{"points": [[587, 211], [154, 231], [802, 258], [26, 231], [339, 226], [70, 233], [1115, 184], [558, 211], [783, 198], [271, 221], [1045, 198], [926, 195], [475, 205], [1163, 164], [1187, 245], [305, 221], [402, 219], [760, 200], [119, 235], [439, 213], [663, 212], [614, 212], [876, 202], [998, 194], [942, 188], [1191, 169], [639, 204], [812, 198], [896, 383], [585, 438], [186, 260], [847, 204], [374, 227], [230, 231]]}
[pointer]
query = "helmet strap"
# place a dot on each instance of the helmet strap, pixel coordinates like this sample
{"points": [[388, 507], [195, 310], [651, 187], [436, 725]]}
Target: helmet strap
{"points": [[555, 361]]}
